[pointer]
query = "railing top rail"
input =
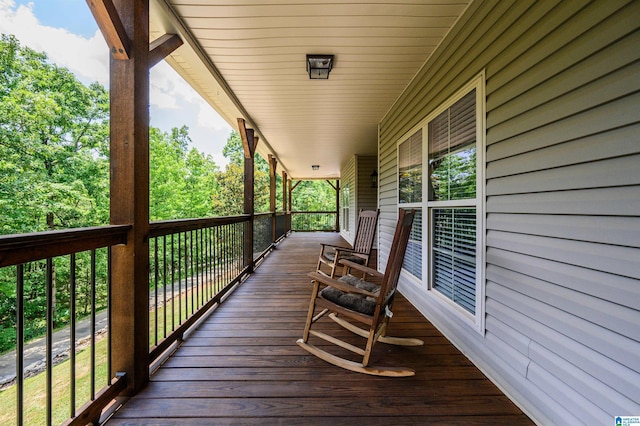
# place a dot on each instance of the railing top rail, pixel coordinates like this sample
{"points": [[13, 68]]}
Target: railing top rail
{"points": [[168, 227], [22, 248], [313, 212]]}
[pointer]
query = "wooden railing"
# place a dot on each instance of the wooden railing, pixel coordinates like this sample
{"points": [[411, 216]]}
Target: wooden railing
{"points": [[34, 262], [192, 265]]}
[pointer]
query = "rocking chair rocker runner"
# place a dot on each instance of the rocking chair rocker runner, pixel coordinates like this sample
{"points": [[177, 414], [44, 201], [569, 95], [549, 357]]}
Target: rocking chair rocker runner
{"points": [[330, 255], [362, 301]]}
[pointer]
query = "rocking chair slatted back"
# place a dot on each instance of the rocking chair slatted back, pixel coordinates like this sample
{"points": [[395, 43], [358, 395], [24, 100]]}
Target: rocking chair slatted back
{"points": [[360, 252], [365, 231]]}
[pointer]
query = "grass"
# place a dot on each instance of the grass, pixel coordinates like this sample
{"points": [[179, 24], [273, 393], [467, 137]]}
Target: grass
{"points": [[35, 387]]}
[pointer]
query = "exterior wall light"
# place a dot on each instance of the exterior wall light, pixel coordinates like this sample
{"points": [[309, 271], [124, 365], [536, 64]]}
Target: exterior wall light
{"points": [[374, 178], [319, 66]]}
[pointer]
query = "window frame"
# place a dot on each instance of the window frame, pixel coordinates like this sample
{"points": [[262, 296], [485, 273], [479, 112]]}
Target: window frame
{"points": [[477, 320]]}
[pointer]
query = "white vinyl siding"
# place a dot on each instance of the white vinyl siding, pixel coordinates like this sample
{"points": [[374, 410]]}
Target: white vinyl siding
{"points": [[356, 189], [562, 286]]}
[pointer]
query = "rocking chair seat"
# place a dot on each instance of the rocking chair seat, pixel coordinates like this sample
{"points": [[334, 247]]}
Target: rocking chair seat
{"points": [[331, 257], [356, 302]]}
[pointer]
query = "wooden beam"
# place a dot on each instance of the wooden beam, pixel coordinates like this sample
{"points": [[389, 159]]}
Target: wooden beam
{"points": [[129, 161], [290, 194], [337, 188], [331, 184], [249, 143], [244, 136], [273, 164], [162, 47], [112, 28], [284, 191]]}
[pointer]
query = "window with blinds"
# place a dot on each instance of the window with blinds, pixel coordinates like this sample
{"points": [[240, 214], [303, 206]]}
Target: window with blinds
{"points": [[440, 174], [452, 202]]}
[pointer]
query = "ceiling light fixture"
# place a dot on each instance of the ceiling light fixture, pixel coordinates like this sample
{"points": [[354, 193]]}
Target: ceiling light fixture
{"points": [[315, 167], [319, 66]]}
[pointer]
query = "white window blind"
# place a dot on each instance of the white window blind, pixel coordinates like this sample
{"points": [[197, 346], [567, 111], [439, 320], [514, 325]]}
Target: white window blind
{"points": [[410, 169], [454, 255], [413, 256]]}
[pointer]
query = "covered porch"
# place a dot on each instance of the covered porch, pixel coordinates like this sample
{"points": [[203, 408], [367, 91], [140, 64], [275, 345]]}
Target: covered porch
{"points": [[242, 366]]}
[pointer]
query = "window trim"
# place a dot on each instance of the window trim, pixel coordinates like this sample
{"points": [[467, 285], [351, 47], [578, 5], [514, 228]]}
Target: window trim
{"points": [[477, 320]]}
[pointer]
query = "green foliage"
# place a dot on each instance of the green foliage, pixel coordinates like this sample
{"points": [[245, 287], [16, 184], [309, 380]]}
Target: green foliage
{"points": [[314, 195], [453, 177], [52, 145], [229, 199]]}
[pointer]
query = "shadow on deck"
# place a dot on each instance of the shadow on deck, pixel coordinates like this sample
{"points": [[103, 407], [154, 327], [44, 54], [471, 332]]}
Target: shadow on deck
{"points": [[242, 366]]}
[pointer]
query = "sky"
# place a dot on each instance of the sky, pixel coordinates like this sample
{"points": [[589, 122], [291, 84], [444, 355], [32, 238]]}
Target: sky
{"points": [[67, 32]]}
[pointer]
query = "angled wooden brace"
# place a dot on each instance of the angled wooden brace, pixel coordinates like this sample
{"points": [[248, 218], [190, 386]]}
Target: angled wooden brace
{"points": [[162, 47], [111, 26]]}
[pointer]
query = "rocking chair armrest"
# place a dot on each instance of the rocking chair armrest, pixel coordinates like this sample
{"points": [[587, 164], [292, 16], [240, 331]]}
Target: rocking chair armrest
{"points": [[340, 248], [326, 280], [361, 268]]}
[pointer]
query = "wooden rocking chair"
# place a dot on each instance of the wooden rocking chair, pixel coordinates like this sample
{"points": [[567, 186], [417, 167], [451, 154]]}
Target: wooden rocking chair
{"points": [[362, 301], [330, 255]]}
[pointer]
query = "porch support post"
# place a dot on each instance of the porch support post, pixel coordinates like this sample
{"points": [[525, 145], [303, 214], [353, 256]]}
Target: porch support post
{"points": [[337, 188], [273, 164], [284, 192], [291, 188], [286, 209], [249, 143], [129, 93]]}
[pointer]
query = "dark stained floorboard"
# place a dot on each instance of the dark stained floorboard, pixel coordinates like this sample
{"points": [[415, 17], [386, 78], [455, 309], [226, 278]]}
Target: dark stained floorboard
{"points": [[242, 366]]}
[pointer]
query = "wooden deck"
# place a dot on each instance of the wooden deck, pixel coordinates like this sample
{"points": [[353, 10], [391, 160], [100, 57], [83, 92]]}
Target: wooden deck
{"points": [[242, 366]]}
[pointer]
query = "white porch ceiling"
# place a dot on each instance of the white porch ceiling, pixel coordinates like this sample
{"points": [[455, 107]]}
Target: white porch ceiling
{"points": [[247, 59]]}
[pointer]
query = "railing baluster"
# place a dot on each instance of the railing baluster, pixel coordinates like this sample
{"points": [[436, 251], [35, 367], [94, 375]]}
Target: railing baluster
{"points": [[110, 372], [191, 272], [93, 325], [155, 310], [173, 280], [49, 338], [72, 334], [179, 279], [215, 253], [20, 344], [197, 271], [164, 286]]}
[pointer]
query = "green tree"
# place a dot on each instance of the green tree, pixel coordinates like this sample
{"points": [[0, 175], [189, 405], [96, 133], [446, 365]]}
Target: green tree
{"points": [[51, 142], [229, 199], [182, 181]]}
